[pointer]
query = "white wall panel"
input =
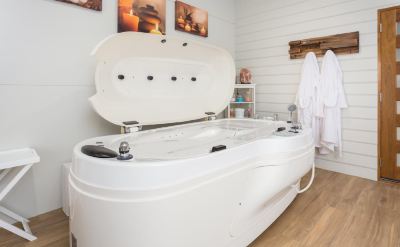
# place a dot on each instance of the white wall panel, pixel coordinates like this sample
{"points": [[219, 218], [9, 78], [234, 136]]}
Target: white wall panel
{"points": [[360, 136], [360, 112]]}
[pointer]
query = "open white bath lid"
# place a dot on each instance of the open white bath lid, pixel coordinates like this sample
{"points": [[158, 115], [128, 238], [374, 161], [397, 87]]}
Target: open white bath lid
{"points": [[144, 79]]}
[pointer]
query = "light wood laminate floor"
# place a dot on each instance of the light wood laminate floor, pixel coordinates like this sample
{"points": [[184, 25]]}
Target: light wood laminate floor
{"points": [[338, 210]]}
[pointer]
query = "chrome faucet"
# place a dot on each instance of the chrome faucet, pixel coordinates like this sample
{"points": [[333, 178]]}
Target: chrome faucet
{"points": [[124, 149], [291, 109]]}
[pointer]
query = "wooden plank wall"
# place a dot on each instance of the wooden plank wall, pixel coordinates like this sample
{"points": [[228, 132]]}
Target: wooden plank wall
{"points": [[263, 30]]}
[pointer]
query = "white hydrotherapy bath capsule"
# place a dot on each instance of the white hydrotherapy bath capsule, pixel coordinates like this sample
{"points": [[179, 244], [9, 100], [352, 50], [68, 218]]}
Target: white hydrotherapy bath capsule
{"points": [[215, 183]]}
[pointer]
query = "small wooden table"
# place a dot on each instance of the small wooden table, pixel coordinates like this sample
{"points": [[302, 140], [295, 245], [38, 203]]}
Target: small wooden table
{"points": [[13, 166]]}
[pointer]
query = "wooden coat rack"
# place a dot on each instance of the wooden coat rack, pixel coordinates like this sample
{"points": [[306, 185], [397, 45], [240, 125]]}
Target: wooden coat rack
{"points": [[346, 43]]}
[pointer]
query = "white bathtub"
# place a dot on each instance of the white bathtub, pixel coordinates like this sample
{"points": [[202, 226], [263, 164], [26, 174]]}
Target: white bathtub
{"points": [[175, 193]]}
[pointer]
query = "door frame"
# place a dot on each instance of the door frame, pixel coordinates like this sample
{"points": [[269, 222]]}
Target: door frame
{"points": [[379, 160]]}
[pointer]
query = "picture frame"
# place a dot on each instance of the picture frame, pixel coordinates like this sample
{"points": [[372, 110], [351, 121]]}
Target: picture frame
{"points": [[191, 19], [89, 4], [148, 16]]}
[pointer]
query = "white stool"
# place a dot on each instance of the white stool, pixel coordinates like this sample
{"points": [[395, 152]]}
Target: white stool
{"points": [[13, 166]]}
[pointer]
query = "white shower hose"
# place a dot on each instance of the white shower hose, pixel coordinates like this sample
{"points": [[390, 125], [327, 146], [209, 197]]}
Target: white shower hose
{"points": [[309, 183]]}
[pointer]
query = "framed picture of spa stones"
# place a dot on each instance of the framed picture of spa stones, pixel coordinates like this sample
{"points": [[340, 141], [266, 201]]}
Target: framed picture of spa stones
{"points": [[89, 4], [191, 19], [146, 16]]}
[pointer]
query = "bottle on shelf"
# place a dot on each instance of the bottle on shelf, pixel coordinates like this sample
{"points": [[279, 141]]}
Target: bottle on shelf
{"points": [[247, 97], [248, 112]]}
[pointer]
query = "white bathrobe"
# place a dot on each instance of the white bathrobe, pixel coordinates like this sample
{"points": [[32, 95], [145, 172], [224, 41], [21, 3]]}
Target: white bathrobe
{"points": [[307, 96], [332, 101]]}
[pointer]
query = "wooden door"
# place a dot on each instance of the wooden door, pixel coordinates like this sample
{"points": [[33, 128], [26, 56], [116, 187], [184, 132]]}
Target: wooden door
{"points": [[389, 93]]}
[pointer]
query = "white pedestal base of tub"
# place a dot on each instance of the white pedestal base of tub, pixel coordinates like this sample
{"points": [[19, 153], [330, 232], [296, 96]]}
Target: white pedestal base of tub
{"points": [[267, 217]]}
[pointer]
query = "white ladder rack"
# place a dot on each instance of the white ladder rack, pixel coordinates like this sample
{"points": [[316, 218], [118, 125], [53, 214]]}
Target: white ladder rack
{"points": [[13, 166]]}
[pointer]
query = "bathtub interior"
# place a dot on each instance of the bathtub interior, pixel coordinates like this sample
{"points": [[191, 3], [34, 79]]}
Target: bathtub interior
{"points": [[194, 140]]}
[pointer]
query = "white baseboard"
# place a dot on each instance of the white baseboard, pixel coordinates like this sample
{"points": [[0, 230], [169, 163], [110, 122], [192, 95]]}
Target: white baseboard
{"points": [[348, 169]]}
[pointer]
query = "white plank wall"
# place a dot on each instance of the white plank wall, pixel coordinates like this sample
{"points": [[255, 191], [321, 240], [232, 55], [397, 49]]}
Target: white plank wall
{"points": [[263, 30]]}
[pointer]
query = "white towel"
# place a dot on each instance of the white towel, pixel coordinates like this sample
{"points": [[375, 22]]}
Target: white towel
{"points": [[307, 96], [332, 100]]}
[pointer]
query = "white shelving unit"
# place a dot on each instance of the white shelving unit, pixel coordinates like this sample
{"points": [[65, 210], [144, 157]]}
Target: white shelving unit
{"points": [[245, 90]]}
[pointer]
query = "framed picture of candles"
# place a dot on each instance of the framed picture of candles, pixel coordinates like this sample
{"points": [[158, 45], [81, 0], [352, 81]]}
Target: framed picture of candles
{"points": [[191, 19], [146, 16], [89, 4]]}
